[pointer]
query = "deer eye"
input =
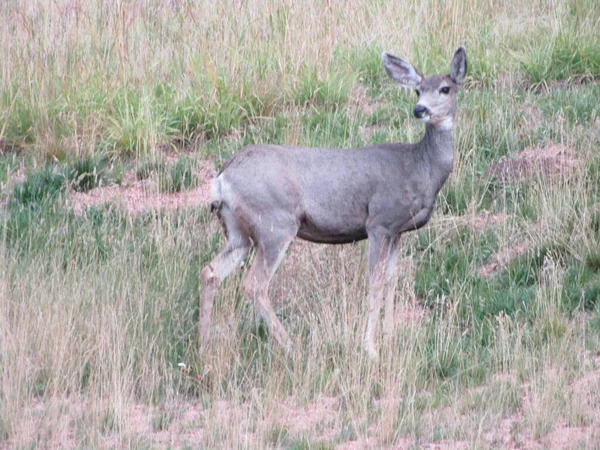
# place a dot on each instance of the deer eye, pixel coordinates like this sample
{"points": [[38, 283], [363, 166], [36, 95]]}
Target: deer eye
{"points": [[418, 92], [445, 90]]}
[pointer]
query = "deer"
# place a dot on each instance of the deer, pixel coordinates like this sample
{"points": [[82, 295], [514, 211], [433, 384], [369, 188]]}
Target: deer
{"points": [[267, 195]]}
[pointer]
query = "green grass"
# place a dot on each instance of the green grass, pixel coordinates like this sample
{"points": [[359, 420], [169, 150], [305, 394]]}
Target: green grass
{"points": [[179, 177], [170, 177], [88, 172], [8, 167], [41, 185], [563, 58]]}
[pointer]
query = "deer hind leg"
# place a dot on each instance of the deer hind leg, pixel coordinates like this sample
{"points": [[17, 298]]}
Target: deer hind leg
{"points": [[391, 280], [234, 253], [256, 285], [379, 252]]}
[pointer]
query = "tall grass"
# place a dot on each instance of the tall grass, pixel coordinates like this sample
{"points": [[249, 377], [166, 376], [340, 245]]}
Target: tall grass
{"points": [[79, 75], [98, 312]]}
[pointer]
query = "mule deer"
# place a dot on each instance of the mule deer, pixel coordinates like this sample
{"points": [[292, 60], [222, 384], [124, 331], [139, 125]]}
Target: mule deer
{"points": [[266, 195]]}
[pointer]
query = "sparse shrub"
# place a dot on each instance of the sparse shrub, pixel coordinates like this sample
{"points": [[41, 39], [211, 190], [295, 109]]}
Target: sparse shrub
{"points": [[447, 264], [8, 165], [442, 351], [187, 117], [581, 284], [368, 63], [595, 223], [329, 129], [592, 260], [458, 195], [18, 130], [162, 420], [525, 270]]}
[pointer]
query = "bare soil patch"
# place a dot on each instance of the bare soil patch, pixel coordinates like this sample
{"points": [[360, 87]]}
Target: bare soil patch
{"points": [[135, 196], [359, 100], [499, 261], [550, 161], [480, 222]]}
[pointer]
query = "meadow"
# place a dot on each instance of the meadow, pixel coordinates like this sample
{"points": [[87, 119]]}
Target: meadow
{"points": [[497, 339]]}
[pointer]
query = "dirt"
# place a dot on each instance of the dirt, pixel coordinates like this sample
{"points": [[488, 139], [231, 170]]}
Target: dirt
{"points": [[186, 423], [135, 196], [480, 222], [359, 100], [499, 261], [515, 431], [549, 162]]}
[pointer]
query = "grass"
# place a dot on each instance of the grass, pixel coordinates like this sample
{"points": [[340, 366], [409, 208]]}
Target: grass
{"points": [[99, 311], [88, 172], [180, 176], [41, 185]]}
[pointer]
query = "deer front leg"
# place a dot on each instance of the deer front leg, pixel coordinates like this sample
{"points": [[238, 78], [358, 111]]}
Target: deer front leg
{"points": [[379, 251], [391, 280]]}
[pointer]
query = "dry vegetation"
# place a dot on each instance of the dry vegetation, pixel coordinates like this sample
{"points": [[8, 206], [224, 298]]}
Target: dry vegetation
{"points": [[107, 108]]}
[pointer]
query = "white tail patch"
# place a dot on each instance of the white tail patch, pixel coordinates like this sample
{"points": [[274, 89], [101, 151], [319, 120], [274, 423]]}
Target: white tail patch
{"points": [[215, 190]]}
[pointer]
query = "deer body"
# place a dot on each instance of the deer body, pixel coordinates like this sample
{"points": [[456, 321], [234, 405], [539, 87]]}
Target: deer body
{"points": [[266, 195], [334, 195]]}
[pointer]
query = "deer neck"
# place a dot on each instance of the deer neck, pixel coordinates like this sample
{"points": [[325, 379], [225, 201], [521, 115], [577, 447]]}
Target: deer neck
{"points": [[437, 148]]}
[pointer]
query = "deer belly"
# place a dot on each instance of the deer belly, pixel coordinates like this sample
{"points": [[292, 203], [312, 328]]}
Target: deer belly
{"points": [[328, 234]]}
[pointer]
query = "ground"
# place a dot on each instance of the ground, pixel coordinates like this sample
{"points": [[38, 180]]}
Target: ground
{"points": [[184, 423]]}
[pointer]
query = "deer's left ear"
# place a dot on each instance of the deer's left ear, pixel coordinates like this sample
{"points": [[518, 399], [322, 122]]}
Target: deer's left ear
{"points": [[458, 66]]}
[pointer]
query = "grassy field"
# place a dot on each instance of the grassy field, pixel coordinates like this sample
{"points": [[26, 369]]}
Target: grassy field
{"points": [[497, 340]]}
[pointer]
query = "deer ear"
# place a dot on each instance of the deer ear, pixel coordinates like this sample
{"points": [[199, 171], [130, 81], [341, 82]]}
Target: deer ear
{"points": [[401, 71], [458, 66]]}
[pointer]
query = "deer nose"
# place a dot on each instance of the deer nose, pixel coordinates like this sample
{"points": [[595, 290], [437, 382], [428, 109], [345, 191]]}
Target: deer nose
{"points": [[420, 111]]}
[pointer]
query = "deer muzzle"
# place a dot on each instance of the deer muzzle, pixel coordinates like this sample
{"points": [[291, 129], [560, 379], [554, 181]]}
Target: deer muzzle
{"points": [[421, 112]]}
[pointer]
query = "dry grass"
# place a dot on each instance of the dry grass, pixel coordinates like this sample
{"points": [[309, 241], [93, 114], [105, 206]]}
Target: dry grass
{"points": [[78, 74]]}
